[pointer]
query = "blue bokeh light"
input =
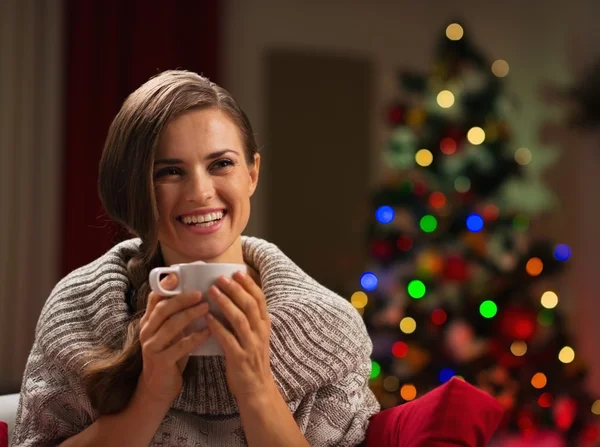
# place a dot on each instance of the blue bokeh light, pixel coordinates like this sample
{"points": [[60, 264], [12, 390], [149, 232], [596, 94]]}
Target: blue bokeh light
{"points": [[369, 281], [385, 214], [562, 252], [475, 223], [446, 374]]}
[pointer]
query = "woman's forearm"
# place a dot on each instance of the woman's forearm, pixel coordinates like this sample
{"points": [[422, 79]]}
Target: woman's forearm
{"points": [[268, 421], [134, 426]]}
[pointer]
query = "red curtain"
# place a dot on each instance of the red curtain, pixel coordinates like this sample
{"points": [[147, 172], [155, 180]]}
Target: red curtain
{"points": [[112, 47]]}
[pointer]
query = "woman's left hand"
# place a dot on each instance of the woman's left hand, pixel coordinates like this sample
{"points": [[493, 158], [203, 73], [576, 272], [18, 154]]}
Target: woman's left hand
{"points": [[246, 349]]}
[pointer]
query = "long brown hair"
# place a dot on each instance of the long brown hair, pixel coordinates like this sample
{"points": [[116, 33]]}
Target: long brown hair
{"points": [[126, 188]]}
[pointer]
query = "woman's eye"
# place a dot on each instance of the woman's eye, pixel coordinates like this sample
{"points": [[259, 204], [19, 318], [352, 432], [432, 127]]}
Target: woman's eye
{"points": [[220, 164], [168, 172]]}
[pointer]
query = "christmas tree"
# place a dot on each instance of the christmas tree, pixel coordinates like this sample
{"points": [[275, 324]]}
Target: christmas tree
{"points": [[456, 285]]}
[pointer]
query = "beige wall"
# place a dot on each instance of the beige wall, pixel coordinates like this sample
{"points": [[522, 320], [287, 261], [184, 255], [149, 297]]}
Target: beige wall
{"points": [[537, 38]]}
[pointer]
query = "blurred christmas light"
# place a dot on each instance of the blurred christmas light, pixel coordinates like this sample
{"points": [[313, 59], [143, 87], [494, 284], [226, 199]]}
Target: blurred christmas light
{"points": [[491, 212], [385, 214], [424, 157], [437, 199], [488, 309], [391, 383], [500, 68], [408, 392], [369, 281], [439, 317], [416, 289], [475, 223], [596, 407], [521, 222], [518, 348], [545, 400], [549, 299], [539, 380], [448, 146], [445, 99], [408, 325], [566, 354], [454, 31], [399, 349], [476, 136], [562, 252], [545, 317], [446, 374], [523, 156], [428, 223], [404, 243], [359, 300], [534, 266], [415, 117], [462, 184], [375, 369]]}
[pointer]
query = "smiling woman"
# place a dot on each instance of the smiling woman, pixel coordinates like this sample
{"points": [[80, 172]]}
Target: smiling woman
{"points": [[179, 167]]}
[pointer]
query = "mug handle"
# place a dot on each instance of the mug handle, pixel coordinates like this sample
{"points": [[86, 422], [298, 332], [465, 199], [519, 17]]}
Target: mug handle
{"points": [[154, 280]]}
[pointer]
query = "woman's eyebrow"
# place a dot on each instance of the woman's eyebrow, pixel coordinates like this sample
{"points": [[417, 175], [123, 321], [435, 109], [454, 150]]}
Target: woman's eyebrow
{"points": [[178, 161]]}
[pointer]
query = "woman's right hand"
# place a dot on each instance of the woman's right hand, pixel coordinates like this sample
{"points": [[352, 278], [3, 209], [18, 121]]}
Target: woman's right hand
{"points": [[165, 348]]}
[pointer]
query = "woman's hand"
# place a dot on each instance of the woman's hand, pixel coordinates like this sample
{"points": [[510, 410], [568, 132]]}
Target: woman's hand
{"points": [[165, 349], [247, 347]]}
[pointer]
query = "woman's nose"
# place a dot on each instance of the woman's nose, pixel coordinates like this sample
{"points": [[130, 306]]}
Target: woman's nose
{"points": [[200, 189]]}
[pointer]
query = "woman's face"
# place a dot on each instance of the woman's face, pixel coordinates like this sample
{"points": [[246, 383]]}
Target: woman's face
{"points": [[203, 186]]}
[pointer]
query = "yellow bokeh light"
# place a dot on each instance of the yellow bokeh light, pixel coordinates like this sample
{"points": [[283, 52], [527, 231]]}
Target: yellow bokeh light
{"points": [[408, 325], [500, 68], [391, 383], [534, 266], [566, 354], [523, 156], [454, 31], [596, 408], [476, 135], [518, 348], [424, 157], [539, 380], [359, 299], [408, 392], [445, 99], [549, 299]]}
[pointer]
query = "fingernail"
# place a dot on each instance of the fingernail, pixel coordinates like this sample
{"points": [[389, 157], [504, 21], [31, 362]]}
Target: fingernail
{"points": [[224, 279]]}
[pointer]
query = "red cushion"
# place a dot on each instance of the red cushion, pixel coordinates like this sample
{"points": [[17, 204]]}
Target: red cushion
{"points": [[453, 414], [3, 434]]}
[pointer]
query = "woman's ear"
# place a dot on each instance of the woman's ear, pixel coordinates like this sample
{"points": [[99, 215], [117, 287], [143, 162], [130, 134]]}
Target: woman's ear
{"points": [[254, 174]]}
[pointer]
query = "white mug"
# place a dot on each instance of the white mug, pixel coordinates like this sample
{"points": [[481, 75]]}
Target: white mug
{"points": [[197, 276]]}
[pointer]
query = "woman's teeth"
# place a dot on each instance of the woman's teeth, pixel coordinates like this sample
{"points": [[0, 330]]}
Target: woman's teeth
{"points": [[205, 220]]}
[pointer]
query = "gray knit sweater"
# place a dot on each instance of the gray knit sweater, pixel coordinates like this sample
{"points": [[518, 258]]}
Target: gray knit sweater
{"points": [[319, 358]]}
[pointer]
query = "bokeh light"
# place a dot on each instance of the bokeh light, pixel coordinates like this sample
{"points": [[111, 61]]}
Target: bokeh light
{"points": [[369, 281], [437, 199], [359, 300], [446, 374], [408, 392], [549, 299], [375, 369], [399, 349], [523, 156], [562, 252], [391, 383], [408, 325], [539, 380], [518, 348], [448, 146], [475, 223], [445, 99], [545, 318], [491, 212], [500, 68], [416, 289], [439, 317], [424, 157], [596, 407], [454, 31], [545, 400], [476, 135], [385, 214], [521, 222], [404, 243], [428, 223], [566, 354], [488, 309], [534, 266], [462, 184]]}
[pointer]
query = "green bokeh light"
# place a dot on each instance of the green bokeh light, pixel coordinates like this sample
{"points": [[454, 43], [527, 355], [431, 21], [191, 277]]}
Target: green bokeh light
{"points": [[521, 222], [546, 317], [416, 289], [428, 223], [488, 309], [375, 369]]}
